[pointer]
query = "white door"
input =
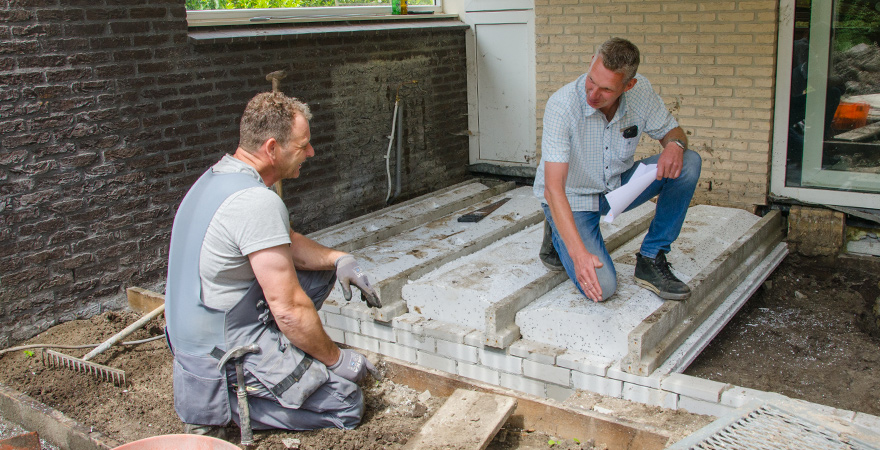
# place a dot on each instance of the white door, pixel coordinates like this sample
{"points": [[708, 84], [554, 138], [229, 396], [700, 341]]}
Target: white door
{"points": [[501, 82]]}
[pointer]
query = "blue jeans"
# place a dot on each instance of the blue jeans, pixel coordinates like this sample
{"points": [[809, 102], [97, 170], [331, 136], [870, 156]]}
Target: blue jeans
{"points": [[674, 196]]}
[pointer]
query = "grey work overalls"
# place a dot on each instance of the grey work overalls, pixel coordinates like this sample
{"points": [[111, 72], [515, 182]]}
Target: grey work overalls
{"points": [[286, 388]]}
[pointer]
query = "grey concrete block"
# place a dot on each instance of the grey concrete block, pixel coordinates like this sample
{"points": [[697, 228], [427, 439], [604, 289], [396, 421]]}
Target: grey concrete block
{"points": [[694, 387], [362, 342], [437, 362], [336, 335], [500, 360], [698, 406], [618, 374], [599, 385], [522, 384], [446, 331], [417, 341], [479, 373], [398, 351], [582, 362], [343, 323], [547, 372], [459, 352], [535, 351], [377, 330]]}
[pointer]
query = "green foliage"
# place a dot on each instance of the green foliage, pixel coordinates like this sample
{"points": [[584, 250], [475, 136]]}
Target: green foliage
{"points": [[856, 22], [201, 5], [551, 442], [29, 353]]}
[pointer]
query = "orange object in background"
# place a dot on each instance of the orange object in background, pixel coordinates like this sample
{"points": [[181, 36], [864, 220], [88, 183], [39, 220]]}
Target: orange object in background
{"points": [[850, 116]]}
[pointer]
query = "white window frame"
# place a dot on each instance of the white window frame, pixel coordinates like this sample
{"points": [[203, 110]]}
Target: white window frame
{"points": [[780, 133], [218, 17]]}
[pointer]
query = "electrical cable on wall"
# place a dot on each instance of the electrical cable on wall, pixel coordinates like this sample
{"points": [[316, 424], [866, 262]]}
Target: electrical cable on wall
{"points": [[391, 136]]}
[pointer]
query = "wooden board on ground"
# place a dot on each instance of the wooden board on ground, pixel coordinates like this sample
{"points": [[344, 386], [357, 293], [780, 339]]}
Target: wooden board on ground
{"points": [[142, 300], [467, 421]]}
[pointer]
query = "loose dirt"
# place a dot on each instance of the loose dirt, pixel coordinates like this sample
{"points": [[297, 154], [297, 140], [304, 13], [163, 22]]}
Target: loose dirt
{"points": [[811, 332], [808, 333]]}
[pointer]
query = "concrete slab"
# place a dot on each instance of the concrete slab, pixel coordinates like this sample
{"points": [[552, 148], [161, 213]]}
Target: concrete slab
{"points": [[485, 290], [393, 262], [564, 318], [385, 223], [468, 420], [661, 333]]}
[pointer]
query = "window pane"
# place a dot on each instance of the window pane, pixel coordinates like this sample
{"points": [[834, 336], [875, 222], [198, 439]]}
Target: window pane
{"points": [[834, 120]]}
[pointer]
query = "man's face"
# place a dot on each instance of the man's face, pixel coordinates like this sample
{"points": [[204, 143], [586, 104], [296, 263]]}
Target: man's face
{"points": [[291, 157], [603, 86]]}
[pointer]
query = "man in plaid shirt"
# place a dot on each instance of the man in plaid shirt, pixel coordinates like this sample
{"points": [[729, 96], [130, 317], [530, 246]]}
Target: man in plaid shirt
{"points": [[591, 129]]}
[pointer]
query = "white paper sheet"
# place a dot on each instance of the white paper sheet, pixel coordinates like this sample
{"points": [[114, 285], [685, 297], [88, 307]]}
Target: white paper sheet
{"points": [[620, 198]]}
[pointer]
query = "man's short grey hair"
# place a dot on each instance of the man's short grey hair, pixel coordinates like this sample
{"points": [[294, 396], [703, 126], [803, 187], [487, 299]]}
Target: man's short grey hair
{"points": [[269, 115], [620, 56]]}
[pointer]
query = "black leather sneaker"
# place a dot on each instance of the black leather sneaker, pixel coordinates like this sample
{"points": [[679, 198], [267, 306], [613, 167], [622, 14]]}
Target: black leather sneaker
{"points": [[548, 254], [655, 275]]}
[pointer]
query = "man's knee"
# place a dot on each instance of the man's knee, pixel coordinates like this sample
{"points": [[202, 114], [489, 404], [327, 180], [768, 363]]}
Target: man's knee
{"points": [[692, 165], [608, 282]]}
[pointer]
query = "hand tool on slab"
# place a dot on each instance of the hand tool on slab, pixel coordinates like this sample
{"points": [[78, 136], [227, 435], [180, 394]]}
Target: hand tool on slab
{"points": [[244, 414], [479, 214], [52, 358]]}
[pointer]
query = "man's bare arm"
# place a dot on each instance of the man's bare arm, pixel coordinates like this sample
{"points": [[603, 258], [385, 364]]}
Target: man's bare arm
{"points": [[310, 255], [294, 311], [672, 158]]}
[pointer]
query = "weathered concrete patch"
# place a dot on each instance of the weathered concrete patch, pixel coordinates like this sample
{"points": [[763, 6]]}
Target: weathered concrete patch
{"points": [[383, 224], [565, 318], [393, 262], [485, 290]]}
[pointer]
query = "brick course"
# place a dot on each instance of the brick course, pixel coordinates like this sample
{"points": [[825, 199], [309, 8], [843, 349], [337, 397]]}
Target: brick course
{"points": [[110, 112], [711, 62]]}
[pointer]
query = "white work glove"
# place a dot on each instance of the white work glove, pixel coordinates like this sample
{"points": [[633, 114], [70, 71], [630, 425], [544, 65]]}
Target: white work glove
{"points": [[352, 365], [349, 272]]}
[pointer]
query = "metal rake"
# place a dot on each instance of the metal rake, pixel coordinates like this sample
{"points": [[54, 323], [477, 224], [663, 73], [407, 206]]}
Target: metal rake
{"points": [[52, 358]]}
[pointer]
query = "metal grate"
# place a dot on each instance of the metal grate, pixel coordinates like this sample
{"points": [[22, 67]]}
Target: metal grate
{"points": [[769, 428]]}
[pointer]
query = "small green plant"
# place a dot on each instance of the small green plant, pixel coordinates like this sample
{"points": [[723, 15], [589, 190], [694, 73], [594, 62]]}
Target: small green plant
{"points": [[551, 442], [29, 353], [576, 441]]}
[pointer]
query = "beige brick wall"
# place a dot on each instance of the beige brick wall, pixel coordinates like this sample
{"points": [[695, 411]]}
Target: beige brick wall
{"points": [[712, 62]]}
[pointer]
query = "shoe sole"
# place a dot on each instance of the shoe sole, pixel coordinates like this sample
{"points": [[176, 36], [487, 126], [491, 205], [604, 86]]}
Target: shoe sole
{"points": [[663, 295]]}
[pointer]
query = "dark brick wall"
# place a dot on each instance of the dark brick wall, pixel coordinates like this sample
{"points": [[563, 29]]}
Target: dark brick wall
{"points": [[109, 111]]}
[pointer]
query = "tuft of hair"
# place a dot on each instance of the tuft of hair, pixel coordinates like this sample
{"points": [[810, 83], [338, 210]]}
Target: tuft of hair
{"points": [[621, 56], [269, 115]]}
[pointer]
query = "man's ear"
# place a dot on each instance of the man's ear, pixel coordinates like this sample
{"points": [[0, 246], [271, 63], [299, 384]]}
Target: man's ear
{"points": [[269, 146], [630, 84]]}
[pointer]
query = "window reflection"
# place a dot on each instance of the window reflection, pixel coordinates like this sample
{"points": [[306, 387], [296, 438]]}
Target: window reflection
{"points": [[834, 117]]}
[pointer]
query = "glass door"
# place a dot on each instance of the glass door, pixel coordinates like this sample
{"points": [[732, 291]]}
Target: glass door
{"points": [[828, 149]]}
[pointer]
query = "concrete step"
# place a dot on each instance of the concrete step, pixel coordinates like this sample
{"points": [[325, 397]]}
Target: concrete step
{"points": [[484, 290], [388, 222], [637, 326], [473, 299], [410, 254]]}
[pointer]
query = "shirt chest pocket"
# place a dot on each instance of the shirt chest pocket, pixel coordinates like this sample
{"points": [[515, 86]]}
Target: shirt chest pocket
{"points": [[627, 148]]}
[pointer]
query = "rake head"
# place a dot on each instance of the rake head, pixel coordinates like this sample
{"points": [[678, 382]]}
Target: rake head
{"points": [[54, 359]]}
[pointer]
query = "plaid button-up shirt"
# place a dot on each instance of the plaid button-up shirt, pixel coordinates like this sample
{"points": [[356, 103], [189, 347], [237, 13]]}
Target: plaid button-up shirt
{"points": [[595, 149]]}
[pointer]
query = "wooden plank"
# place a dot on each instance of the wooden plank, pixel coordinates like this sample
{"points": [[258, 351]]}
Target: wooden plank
{"points": [[532, 412], [468, 420], [860, 134], [142, 300]]}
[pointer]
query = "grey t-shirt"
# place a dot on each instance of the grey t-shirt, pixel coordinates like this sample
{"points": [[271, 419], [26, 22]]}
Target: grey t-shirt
{"points": [[250, 220]]}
